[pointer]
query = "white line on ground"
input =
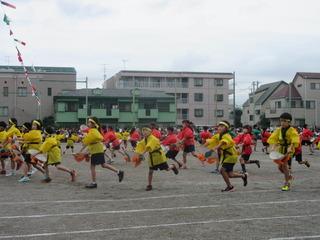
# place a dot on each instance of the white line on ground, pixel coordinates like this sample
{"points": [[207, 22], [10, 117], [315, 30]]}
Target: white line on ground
{"points": [[155, 209], [155, 226], [3, 202], [296, 238]]}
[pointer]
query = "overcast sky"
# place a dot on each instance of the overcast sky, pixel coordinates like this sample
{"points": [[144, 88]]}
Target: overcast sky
{"points": [[261, 40]]}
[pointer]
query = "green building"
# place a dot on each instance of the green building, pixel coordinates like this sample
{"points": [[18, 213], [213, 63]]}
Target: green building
{"points": [[116, 107]]}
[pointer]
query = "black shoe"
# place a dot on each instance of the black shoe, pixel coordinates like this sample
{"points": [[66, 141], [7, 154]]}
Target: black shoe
{"points": [[149, 188], [258, 163], [91, 185], [245, 179], [307, 164], [120, 175], [175, 170], [46, 180], [228, 189]]}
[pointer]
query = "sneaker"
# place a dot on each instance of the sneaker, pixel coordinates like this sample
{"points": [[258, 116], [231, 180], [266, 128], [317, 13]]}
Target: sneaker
{"points": [[258, 163], [46, 180], [285, 188], [228, 189], [245, 179], [9, 174], [175, 170], [307, 164], [24, 179], [3, 172], [73, 175], [216, 171], [91, 185], [149, 188], [110, 161], [121, 175]]}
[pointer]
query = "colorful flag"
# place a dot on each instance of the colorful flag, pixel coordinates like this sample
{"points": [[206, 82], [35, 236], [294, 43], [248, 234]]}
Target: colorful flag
{"points": [[19, 56], [21, 42], [6, 19], [8, 4]]}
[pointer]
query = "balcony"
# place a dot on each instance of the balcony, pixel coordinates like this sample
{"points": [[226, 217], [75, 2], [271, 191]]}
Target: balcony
{"points": [[99, 113], [66, 117], [148, 113], [113, 113]]}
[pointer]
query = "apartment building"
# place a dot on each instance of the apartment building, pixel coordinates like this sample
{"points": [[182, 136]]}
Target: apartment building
{"points": [[201, 97], [16, 99]]}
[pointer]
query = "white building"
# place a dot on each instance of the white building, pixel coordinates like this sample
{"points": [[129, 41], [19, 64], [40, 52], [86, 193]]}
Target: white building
{"points": [[201, 97]]}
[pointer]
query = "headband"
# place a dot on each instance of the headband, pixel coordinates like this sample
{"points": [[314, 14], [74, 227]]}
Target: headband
{"points": [[25, 127], [224, 124], [36, 122], [45, 132], [94, 122]]}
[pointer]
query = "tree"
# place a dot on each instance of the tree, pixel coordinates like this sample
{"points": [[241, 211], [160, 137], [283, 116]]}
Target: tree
{"points": [[48, 121], [264, 122], [237, 119]]}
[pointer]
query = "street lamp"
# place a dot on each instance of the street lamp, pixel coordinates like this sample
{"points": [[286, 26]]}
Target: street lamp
{"points": [[135, 92]]}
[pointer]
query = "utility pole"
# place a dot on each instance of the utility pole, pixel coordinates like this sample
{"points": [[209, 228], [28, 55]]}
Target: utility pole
{"points": [[234, 99]]}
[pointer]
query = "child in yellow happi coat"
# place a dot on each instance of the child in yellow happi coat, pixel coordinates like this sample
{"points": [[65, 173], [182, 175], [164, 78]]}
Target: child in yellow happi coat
{"points": [[93, 142], [11, 134], [31, 140], [4, 154], [157, 159], [223, 144], [285, 140], [51, 148], [72, 138]]}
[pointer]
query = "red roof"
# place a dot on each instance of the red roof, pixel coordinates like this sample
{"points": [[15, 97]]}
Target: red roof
{"points": [[284, 92]]}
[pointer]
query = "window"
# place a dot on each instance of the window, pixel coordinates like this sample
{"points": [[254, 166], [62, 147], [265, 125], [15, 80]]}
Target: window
{"points": [[257, 112], [310, 104], [183, 82], [155, 82], [164, 107], [198, 82], [315, 86], [219, 113], [141, 82], [125, 107], [5, 91], [22, 91], [219, 82], [71, 107], [219, 97], [125, 82], [198, 112], [170, 82], [3, 111], [182, 97], [183, 113], [49, 91], [251, 99], [278, 104], [251, 118], [198, 97]]}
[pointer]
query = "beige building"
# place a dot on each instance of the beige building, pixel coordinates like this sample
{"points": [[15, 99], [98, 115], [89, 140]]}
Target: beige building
{"points": [[301, 98], [16, 99], [258, 103], [201, 97]]}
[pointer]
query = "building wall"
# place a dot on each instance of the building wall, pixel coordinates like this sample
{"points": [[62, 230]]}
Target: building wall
{"points": [[209, 90], [25, 108]]}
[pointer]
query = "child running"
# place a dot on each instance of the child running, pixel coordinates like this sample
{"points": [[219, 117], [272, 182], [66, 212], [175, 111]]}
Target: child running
{"points": [[51, 148], [171, 141], [225, 147], [285, 140], [157, 159], [93, 141], [244, 141]]}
